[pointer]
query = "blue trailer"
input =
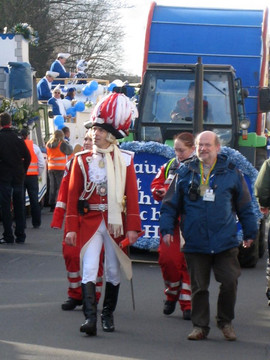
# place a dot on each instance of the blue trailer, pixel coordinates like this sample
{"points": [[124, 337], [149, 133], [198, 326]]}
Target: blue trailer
{"points": [[232, 46]]}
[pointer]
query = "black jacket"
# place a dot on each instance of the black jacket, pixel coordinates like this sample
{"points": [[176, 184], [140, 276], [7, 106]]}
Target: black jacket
{"points": [[14, 157]]}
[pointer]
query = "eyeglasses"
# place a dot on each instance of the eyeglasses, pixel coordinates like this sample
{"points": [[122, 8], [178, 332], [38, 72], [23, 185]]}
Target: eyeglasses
{"points": [[204, 145], [56, 92]]}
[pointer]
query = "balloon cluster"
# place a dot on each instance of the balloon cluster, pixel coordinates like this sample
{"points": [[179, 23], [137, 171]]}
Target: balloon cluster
{"points": [[90, 88], [79, 106], [59, 119]]}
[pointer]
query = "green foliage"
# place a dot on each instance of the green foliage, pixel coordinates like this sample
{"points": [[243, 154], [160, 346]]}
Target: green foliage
{"points": [[27, 32], [23, 116]]}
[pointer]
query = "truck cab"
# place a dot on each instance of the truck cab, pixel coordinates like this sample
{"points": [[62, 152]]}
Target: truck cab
{"points": [[232, 46], [166, 87]]}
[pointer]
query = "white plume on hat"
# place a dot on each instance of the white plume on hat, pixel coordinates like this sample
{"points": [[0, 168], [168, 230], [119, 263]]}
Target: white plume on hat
{"points": [[53, 74], [82, 64], [63, 55]]}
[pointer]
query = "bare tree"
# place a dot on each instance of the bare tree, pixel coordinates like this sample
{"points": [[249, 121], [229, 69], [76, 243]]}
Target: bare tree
{"points": [[90, 30], [87, 29]]}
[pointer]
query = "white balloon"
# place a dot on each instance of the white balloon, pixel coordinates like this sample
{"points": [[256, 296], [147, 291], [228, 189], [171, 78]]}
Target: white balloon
{"points": [[93, 97], [118, 82], [100, 90], [67, 103]]}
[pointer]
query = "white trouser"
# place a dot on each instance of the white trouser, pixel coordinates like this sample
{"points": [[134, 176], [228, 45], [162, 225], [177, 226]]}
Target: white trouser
{"points": [[92, 255]]}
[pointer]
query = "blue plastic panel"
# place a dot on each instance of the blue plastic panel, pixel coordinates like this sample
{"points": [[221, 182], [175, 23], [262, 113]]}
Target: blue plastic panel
{"points": [[20, 80], [219, 36]]}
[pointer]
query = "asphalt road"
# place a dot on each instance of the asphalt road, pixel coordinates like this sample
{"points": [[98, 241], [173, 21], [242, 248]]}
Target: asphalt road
{"points": [[33, 326]]}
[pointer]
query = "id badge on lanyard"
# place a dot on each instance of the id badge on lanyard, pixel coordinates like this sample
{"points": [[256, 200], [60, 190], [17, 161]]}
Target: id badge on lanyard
{"points": [[209, 195]]}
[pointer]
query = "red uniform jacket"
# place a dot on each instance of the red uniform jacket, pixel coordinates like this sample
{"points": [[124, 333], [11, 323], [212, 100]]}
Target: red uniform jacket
{"points": [[88, 224]]}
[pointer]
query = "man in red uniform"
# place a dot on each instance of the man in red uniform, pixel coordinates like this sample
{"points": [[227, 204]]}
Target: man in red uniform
{"points": [[171, 259], [71, 254], [103, 208]]}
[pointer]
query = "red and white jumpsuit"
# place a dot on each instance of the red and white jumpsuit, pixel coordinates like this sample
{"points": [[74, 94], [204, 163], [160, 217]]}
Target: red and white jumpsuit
{"points": [[171, 259]]}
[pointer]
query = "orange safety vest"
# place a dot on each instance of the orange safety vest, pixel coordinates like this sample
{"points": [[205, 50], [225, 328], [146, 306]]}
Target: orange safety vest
{"points": [[56, 159], [33, 167]]}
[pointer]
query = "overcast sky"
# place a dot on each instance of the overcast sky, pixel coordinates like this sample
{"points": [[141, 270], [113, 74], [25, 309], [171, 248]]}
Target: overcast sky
{"points": [[135, 19]]}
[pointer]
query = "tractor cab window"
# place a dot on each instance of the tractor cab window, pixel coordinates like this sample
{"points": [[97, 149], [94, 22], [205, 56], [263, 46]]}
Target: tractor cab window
{"points": [[168, 103]]}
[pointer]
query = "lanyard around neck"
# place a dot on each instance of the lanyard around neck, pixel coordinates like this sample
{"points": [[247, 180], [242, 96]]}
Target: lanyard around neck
{"points": [[206, 181]]}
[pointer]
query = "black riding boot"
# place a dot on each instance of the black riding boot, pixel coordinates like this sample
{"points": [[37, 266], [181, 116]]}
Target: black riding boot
{"points": [[89, 309], [109, 305]]}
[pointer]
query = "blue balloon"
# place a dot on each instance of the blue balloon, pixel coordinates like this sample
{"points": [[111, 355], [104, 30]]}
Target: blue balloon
{"points": [[79, 106], [73, 114], [93, 85], [58, 120], [111, 86], [87, 91], [71, 111]]}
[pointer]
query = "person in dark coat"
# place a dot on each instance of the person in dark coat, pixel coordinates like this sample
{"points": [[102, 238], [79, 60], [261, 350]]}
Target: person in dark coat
{"points": [[262, 193], [262, 187], [208, 193], [15, 159]]}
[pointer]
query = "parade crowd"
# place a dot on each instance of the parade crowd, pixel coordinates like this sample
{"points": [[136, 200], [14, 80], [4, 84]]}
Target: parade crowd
{"points": [[93, 194]]}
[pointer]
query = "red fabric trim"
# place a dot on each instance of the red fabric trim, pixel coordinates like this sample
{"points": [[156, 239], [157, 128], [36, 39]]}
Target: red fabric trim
{"points": [[147, 38], [264, 67]]}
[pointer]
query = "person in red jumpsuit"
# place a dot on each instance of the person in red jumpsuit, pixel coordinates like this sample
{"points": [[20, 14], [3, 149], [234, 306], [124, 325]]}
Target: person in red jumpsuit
{"points": [[171, 259], [103, 208], [71, 254]]}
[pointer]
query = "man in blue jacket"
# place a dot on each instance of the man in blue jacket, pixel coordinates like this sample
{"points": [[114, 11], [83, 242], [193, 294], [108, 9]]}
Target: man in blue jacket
{"points": [[208, 193], [59, 66], [45, 84]]}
